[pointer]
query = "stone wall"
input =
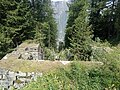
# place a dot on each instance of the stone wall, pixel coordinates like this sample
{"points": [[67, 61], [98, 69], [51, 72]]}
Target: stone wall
{"points": [[17, 80], [26, 51]]}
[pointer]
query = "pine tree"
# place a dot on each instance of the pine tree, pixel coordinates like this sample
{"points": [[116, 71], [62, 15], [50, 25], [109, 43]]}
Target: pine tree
{"points": [[103, 18], [82, 34], [117, 21], [43, 13], [39, 35], [22, 19], [5, 45], [74, 10], [16, 23]]}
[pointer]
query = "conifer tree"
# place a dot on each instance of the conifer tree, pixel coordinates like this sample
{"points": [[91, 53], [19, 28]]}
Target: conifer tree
{"points": [[43, 14], [117, 21], [25, 19], [5, 45], [82, 34], [16, 23], [5, 41], [74, 10], [103, 18]]}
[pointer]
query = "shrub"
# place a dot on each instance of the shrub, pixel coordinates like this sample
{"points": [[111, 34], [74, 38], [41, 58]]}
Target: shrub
{"points": [[79, 77]]}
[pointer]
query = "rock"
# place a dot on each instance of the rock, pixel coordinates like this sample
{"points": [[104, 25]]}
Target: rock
{"points": [[65, 62], [5, 57]]}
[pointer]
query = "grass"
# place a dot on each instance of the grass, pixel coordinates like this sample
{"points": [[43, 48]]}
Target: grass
{"points": [[14, 64], [29, 66], [37, 66]]}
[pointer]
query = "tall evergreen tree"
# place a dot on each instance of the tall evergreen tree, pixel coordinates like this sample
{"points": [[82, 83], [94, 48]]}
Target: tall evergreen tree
{"points": [[117, 21], [5, 41], [5, 45], [16, 23], [103, 18], [43, 13], [26, 19], [81, 34], [74, 10]]}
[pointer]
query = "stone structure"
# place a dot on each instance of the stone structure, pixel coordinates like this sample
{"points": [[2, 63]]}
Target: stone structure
{"points": [[16, 80], [30, 51], [26, 51]]}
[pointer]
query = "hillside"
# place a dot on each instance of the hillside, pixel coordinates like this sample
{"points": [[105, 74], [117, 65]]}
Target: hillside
{"points": [[37, 66]]}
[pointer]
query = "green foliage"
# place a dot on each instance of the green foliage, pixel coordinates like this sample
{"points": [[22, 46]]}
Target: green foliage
{"points": [[80, 38], [4, 44], [64, 55], [52, 54], [49, 54], [21, 20], [104, 18], [104, 52], [97, 17], [16, 23], [100, 50], [43, 13], [74, 10], [117, 22], [39, 35], [79, 77]]}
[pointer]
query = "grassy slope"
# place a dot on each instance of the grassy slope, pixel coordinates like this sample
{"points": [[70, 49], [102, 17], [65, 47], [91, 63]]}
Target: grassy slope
{"points": [[46, 66], [29, 66], [36, 66], [83, 76]]}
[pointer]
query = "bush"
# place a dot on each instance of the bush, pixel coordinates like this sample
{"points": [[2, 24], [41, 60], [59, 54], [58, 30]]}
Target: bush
{"points": [[49, 54], [79, 77]]}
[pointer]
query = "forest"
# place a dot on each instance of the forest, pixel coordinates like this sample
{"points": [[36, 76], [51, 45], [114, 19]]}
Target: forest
{"points": [[92, 35], [21, 20]]}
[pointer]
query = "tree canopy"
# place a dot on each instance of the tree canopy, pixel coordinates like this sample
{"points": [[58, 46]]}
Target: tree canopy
{"points": [[91, 19], [21, 20]]}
